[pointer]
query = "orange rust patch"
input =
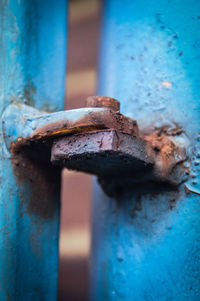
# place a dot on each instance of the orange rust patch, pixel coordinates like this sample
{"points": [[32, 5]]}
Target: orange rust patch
{"points": [[103, 101], [165, 153], [92, 121]]}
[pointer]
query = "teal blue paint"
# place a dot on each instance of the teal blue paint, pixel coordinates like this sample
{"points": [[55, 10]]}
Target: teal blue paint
{"points": [[33, 48], [149, 60], [32, 71]]}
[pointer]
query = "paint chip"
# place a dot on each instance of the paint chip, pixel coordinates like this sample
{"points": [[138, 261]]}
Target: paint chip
{"points": [[165, 84]]}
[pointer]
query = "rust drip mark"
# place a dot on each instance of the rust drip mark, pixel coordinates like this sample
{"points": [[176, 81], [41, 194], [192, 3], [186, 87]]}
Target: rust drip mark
{"points": [[43, 181], [29, 93], [172, 204], [101, 143]]}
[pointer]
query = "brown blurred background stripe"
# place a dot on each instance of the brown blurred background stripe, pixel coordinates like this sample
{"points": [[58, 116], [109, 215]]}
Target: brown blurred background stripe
{"points": [[83, 38]]}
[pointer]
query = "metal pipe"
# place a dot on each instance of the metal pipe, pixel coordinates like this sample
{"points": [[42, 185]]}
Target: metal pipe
{"points": [[145, 246], [32, 71]]}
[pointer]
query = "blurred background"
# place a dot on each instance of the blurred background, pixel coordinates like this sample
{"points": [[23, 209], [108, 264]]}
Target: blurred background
{"points": [[82, 56]]}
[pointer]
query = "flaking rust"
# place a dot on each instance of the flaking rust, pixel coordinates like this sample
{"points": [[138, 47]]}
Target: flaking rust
{"points": [[165, 153], [94, 121], [104, 153], [123, 160], [109, 119], [108, 144]]}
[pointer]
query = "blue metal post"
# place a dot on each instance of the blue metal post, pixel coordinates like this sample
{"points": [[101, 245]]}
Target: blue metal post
{"points": [[32, 71], [147, 247]]}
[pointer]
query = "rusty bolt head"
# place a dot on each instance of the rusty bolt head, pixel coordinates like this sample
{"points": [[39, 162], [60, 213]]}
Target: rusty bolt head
{"points": [[102, 102]]}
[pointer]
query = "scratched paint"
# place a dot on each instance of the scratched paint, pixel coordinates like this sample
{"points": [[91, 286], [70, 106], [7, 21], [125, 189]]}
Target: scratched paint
{"points": [[32, 72], [146, 246]]}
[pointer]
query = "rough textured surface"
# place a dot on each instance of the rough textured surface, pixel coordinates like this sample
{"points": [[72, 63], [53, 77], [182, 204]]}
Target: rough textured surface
{"points": [[103, 153], [33, 125], [112, 154], [103, 101], [146, 246]]}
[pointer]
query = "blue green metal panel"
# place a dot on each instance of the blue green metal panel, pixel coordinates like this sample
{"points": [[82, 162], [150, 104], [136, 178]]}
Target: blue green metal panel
{"points": [[146, 247], [32, 71]]}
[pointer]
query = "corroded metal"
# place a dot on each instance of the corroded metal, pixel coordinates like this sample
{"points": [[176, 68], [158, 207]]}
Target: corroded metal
{"points": [[113, 156], [103, 153], [98, 140], [33, 125], [103, 101], [92, 135]]}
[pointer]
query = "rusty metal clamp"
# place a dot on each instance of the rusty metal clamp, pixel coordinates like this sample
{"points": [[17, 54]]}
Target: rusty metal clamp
{"points": [[99, 140]]}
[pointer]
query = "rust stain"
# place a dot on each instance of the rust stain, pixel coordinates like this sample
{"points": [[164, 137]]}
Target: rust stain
{"points": [[31, 158], [44, 182], [103, 101], [164, 151], [29, 93], [91, 122], [159, 148], [172, 204]]}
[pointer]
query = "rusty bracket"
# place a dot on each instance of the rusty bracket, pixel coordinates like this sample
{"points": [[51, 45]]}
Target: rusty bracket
{"points": [[122, 160], [32, 125], [98, 140], [123, 157]]}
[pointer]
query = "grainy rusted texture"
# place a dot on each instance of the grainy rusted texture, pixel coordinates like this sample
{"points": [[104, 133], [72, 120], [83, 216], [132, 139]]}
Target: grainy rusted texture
{"points": [[103, 101], [108, 120], [122, 160], [104, 153], [90, 122], [166, 153]]}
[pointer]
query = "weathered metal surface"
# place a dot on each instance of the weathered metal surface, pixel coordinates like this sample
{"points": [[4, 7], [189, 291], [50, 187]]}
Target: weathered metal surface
{"points": [[32, 72], [112, 155], [145, 242], [103, 101], [33, 125], [103, 153]]}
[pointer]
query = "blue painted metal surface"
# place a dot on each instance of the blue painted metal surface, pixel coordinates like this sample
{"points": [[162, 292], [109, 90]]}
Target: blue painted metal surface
{"points": [[147, 247], [32, 71]]}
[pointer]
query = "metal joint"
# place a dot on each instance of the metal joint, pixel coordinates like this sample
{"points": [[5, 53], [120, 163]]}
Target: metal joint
{"points": [[98, 140]]}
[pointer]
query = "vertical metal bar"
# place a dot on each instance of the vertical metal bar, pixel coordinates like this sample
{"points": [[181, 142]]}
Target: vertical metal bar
{"points": [[32, 71], [146, 247]]}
